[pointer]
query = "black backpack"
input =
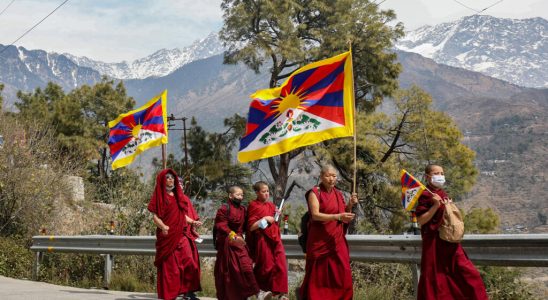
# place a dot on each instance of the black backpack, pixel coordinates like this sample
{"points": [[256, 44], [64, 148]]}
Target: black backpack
{"points": [[304, 231], [305, 219]]}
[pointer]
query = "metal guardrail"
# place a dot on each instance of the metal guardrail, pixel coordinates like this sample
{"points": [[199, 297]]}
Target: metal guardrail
{"points": [[527, 250]]}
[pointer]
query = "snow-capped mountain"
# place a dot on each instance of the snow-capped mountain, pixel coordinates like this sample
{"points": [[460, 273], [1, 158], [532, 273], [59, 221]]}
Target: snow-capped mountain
{"points": [[22, 69], [160, 63], [507, 49]]}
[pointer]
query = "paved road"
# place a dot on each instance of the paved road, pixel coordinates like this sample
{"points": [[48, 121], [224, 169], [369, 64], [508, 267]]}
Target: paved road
{"points": [[15, 289]]}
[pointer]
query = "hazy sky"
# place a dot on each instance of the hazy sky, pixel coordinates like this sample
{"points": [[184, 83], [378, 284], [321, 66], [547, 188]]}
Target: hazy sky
{"points": [[119, 30]]}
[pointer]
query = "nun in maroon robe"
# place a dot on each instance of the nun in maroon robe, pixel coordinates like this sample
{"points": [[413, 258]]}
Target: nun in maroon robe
{"points": [[234, 278], [327, 272], [191, 262], [446, 271], [172, 247], [265, 244]]}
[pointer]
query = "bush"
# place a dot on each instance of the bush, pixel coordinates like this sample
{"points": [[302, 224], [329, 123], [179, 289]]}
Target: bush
{"points": [[133, 274], [16, 259], [382, 281], [79, 270], [503, 283]]}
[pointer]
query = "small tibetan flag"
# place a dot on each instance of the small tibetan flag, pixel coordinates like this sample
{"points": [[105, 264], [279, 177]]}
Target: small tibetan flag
{"points": [[138, 130], [411, 190], [314, 104]]}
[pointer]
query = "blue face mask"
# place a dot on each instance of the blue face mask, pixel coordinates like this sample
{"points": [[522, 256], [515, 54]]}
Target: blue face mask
{"points": [[438, 180]]}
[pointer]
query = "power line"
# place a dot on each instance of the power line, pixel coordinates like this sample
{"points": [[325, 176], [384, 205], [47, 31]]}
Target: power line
{"points": [[464, 5], [26, 32], [475, 10], [3, 10], [490, 6]]}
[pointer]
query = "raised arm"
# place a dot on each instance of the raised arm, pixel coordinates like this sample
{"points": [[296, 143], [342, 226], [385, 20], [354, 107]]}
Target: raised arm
{"points": [[427, 216]]}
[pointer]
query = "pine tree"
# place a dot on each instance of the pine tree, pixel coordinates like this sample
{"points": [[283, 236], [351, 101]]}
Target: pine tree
{"points": [[285, 34]]}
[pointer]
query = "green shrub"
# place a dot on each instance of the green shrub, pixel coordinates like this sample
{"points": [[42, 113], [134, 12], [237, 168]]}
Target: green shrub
{"points": [[207, 279], [79, 270], [16, 259], [374, 281], [503, 283], [133, 274]]}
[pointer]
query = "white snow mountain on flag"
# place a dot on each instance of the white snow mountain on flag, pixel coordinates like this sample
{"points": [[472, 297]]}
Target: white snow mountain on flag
{"points": [[512, 50], [158, 64]]}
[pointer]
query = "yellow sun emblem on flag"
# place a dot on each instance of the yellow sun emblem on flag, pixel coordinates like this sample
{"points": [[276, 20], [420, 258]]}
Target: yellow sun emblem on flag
{"points": [[135, 131], [293, 100]]}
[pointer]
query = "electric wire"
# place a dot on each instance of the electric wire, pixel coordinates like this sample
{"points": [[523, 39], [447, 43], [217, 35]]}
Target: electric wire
{"points": [[26, 32], [5, 8], [475, 10]]}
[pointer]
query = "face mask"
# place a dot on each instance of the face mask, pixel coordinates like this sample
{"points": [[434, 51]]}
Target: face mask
{"points": [[438, 180]]}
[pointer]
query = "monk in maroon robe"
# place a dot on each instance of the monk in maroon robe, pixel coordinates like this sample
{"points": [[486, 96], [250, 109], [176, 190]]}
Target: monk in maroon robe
{"points": [[327, 273], [265, 244], [172, 247], [446, 270], [234, 279], [191, 263]]}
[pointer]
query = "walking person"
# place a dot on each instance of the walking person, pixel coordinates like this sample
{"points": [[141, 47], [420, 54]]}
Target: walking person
{"points": [[169, 210], [265, 245], [446, 270], [234, 278], [327, 272], [191, 262]]}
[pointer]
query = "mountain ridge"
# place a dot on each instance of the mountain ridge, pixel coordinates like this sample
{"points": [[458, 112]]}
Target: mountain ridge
{"points": [[157, 64], [515, 50]]}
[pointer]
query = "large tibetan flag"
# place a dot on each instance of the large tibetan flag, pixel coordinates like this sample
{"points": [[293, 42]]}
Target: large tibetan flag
{"points": [[138, 130], [314, 104], [411, 190]]}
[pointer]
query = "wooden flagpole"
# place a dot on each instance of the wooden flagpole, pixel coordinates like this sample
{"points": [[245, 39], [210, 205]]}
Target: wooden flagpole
{"points": [[164, 161], [354, 125]]}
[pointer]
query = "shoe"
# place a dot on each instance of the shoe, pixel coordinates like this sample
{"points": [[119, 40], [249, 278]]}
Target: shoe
{"points": [[191, 296], [264, 295]]}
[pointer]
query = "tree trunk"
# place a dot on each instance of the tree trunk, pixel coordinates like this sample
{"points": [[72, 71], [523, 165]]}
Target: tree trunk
{"points": [[280, 176]]}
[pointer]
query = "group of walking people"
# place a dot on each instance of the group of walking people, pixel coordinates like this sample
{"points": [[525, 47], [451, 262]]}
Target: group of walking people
{"points": [[251, 258]]}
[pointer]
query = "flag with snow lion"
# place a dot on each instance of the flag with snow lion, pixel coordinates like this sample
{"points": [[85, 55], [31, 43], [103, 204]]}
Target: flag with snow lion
{"points": [[138, 130], [411, 190], [314, 104]]}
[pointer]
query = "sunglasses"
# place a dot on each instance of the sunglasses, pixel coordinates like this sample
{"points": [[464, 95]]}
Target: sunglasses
{"points": [[169, 176]]}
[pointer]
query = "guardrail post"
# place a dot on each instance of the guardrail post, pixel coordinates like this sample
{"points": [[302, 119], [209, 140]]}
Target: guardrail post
{"points": [[108, 270], [416, 274], [36, 267]]}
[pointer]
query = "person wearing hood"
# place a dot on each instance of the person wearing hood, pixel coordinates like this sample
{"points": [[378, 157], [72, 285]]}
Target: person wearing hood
{"points": [[191, 263], [169, 210], [446, 270], [234, 278]]}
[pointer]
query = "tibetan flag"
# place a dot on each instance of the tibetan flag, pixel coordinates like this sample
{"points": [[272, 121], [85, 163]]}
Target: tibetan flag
{"points": [[138, 130], [314, 104], [411, 190]]}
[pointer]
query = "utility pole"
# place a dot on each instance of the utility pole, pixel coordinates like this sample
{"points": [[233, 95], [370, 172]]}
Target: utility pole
{"points": [[170, 126]]}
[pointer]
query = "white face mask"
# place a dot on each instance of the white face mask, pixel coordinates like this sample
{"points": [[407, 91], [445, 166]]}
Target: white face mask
{"points": [[438, 180]]}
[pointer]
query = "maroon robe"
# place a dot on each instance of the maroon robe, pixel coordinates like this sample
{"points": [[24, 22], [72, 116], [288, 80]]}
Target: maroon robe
{"points": [[266, 249], [327, 273], [234, 278], [446, 270], [191, 262], [173, 248]]}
